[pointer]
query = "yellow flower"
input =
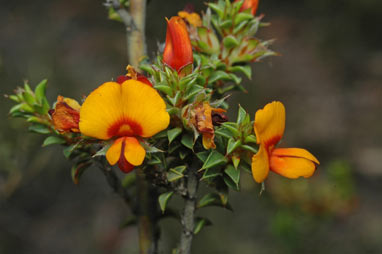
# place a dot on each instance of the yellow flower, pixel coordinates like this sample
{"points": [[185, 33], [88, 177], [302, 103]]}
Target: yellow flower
{"points": [[289, 162], [126, 111]]}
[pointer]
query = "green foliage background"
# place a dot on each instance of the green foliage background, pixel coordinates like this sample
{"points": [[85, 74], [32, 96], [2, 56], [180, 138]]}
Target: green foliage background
{"points": [[329, 78]]}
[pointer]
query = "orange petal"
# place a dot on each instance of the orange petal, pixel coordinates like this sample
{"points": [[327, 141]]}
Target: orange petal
{"points": [[293, 162], [249, 4], [178, 50], [192, 18], [208, 141], [114, 152], [134, 153], [260, 165], [295, 152], [66, 115], [270, 123], [130, 109]]}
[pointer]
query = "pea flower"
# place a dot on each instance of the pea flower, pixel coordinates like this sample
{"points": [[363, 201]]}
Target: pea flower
{"points": [[249, 4], [178, 50], [133, 74], [65, 115], [191, 17], [126, 113], [289, 162]]}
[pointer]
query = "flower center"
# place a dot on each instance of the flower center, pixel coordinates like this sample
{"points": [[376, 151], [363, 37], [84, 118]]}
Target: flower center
{"points": [[125, 127]]}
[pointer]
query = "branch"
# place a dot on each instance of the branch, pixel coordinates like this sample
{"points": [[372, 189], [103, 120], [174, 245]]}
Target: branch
{"points": [[188, 217]]}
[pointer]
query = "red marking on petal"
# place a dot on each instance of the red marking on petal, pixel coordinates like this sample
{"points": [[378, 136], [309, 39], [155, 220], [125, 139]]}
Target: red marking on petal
{"points": [[123, 164], [121, 79], [125, 127]]}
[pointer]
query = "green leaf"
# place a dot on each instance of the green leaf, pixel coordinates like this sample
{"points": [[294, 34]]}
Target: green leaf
{"points": [[218, 75], [242, 16], [164, 88], [232, 145], [40, 91], [230, 42], [39, 128], [246, 70], [208, 199], [241, 115], [173, 133], [155, 160], [102, 151], [232, 127], [51, 140], [69, 150], [223, 132], [14, 98], [200, 223], [195, 89], [203, 155], [211, 173], [175, 173], [163, 199], [250, 139], [218, 9], [249, 148], [29, 98], [233, 173], [231, 184], [235, 161], [214, 159], [188, 141], [78, 170]]}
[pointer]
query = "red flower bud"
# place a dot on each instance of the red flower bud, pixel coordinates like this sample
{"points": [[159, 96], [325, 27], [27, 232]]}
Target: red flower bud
{"points": [[178, 50], [250, 4]]}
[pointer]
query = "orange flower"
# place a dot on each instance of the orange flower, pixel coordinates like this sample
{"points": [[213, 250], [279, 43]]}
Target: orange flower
{"points": [[127, 112], [202, 119], [249, 4], [178, 50], [66, 115], [289, 162]]}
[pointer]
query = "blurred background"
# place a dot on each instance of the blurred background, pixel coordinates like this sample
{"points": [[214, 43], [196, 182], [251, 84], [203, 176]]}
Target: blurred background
{"points": [[329, 76]]}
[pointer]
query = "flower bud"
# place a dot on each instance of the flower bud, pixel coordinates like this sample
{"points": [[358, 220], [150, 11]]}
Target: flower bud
{"points": [[249, 4], [178, 50]]}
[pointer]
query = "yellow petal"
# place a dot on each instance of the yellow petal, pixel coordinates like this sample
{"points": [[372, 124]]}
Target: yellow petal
{"points": [[208, 141], [143, 105], [270, 123], [101, 109], [260, 164], [114, 152], [130, 109], [133, 151], [293, 166], [72, 103], [295, 152]]}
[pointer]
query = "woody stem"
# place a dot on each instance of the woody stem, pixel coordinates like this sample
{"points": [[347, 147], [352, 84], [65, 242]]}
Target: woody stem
{"points": [[188, 217]]}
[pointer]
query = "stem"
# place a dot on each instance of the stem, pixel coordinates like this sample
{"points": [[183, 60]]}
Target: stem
{"points": [[136, 41], [188, 217]]}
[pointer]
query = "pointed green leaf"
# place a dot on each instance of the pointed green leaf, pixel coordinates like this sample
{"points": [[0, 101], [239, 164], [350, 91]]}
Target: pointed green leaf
{"points": [[203, 155], [175, 173], [163, 199], [235, 161], [230, 41], [214, 158], [40, 91], [78, 170], [231, 184], [250, 139], [200, 223], [211, 173], [246, 70], [102, 151], [39, 128], [242, 16], [232, 145], [208, 199], [241, 115], [233, 173], [51, 140], [188, 141], [173, 133], [249, 148]]}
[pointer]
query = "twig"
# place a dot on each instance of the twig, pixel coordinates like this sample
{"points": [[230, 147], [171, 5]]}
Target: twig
{"points": [[125, 16]]}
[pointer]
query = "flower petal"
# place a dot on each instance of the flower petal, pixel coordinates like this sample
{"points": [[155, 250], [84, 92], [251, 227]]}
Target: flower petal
{"points": [[130, 109], [114, 152], [144, 106], [270, 123], [101, 109], [292, 165], [260, 165], [295, 152], [178, 50], [134, 153]]}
